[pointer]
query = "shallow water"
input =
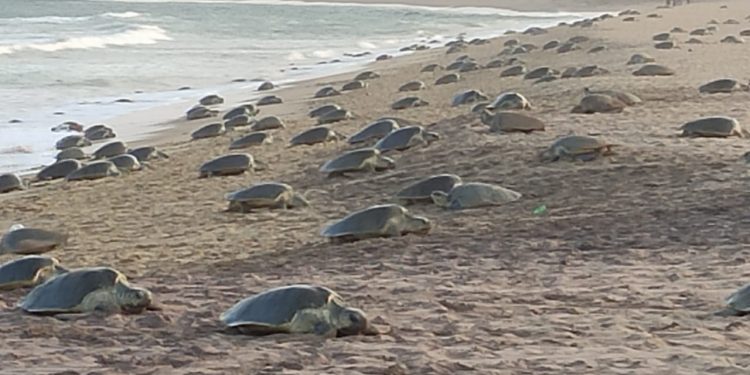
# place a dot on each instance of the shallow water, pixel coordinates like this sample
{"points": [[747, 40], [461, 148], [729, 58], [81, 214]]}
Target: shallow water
{"points": [[78, 57]]}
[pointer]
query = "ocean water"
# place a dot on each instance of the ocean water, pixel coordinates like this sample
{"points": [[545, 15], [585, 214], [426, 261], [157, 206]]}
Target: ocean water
{"points": [[70, 60]]}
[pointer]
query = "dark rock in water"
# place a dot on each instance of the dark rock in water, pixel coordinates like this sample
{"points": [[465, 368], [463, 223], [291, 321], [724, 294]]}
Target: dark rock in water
{"points": [[334, 61], [15, 121], [360, 54], [383, 57], [183, 88], [124, 100], [58, 113], [138, 92], [239, 80]]}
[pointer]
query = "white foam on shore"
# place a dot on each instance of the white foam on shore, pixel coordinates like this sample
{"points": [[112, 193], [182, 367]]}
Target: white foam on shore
{"points": [[141, 34]]}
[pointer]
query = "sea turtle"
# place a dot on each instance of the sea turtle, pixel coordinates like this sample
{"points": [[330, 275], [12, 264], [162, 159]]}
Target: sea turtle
{"points": [[334, 115], [473, 195], [599, 103], [227, 165], [72, 140], [623, 96], [297, 309], [405, 138], [576, 147], [71, 153], [126, 163], [507, 121], [550, 45], [513, 71], [640, 58], [237, 122], [508, 101], [387, 220], [430, 68], [408, 102], [265, 195], [211, 99], [251, 139], [248, 110], [654, 70], [448, 78], [598, 49], [315, 135], [28, 271], [23, 240], [677, 30], [468, 97], [110, 149], [147, 153], [540, 72], [199, 112], [11, 182], [421, 191], [699, 32], [85, 291], [590, 71], [724, 85], [569, 72], [269, 100], [511, 42], [354, 85], [360, 160], [268, 123], [326, 91], [534, 31], [367, 75], [412, 86], [694, 41], [716, 126], [745, 32], [469, 66], [94, 171], [670, 44], [568, 47], [267, 85], [374, 130], [99, 132], [209, 131], [661, 37], [731, 39], [320, 111], [494, 64], [737, 304], [60, 169]]}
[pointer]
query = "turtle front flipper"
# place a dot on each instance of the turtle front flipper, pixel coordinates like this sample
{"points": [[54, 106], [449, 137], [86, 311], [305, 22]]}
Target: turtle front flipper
{"points": [[313, 321]]}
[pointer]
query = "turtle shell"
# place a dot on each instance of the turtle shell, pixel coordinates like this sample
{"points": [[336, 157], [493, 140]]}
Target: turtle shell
{"points": [[58, 170], [72, 141], [260, 194], [146, 153], [351, 160], [93, 171], [268, 100], [717, 126], [377, 129], [740, 299], [468, 96], [408, 102], [422, 189], [654, 70], [66, 292], [576, 145], [412, 86], [448, 78], [312, 136], [126, 162], [508, 100], [506, 121], [226, 165], [724, 85], [31, 241], [209, 131], [320, 111], [334, 115], [71, 153], [272, 310], [111, 149], [269, 123], [401, 139], [10, 182], [252, 139], [369, 220], [479, 194], [26, 271]]}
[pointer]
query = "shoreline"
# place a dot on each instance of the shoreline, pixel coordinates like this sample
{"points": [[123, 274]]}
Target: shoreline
{"points": [[525, 6]]}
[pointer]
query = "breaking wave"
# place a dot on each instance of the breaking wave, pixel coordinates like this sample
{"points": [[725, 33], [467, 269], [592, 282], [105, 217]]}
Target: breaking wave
{"points": [[140, 34]]}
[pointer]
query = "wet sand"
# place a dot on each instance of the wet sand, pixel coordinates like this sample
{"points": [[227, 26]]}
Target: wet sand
{"points": [[619, 276]]}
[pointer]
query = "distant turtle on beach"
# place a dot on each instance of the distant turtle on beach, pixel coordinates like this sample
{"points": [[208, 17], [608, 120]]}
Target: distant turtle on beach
{"points": [[715, 127], [731, 39], [448, 78], [248, 110], [212, 99], [360, 160], [625, 97], [474, 195], [315, 135], [387, 220], [724, 85], [412, 86], [737, 304], [126, 163], [408, 102], [237, 122], [508, 122], [540, 72], [317, 112], [94, 171], [354, 85], [334, 115], [85, 291], [468, 97], [513, 71], [405, 138], [430, 68], [23, 240], [640, 58], [99, 132], [209, 131], [367, 75], [421, 191], [654, 70], [269, 100], [250, 140], [57, 170], [268, 123], [75, 153], [326, 92], [599, 103], [267, 85], [296, 309], [28, 271], [227, 165], [11, 182], [147, 153], [73, 140], [374, 130], [200, 112], [576, 147], [265, 195], [110, 149], [509, 101]]}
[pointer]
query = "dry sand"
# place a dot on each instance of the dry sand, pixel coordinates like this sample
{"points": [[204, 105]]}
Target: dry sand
{"points": [[619, 277]]}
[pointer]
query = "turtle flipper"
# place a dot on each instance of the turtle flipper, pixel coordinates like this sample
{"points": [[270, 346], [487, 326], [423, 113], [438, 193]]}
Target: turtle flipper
{"points": [[69, 317], [729, 311]]}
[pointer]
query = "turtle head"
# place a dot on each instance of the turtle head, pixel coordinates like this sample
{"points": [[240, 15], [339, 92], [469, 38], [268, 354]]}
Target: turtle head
{"points": [[417, 224], [440, 198], [385, 162], [430, 137], [133, 300], [299, 200], [586, 91], [351, 321], [487, 116]]}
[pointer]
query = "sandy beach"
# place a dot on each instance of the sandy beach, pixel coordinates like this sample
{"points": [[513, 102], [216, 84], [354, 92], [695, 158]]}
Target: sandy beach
{"points": [[620, 275]]}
